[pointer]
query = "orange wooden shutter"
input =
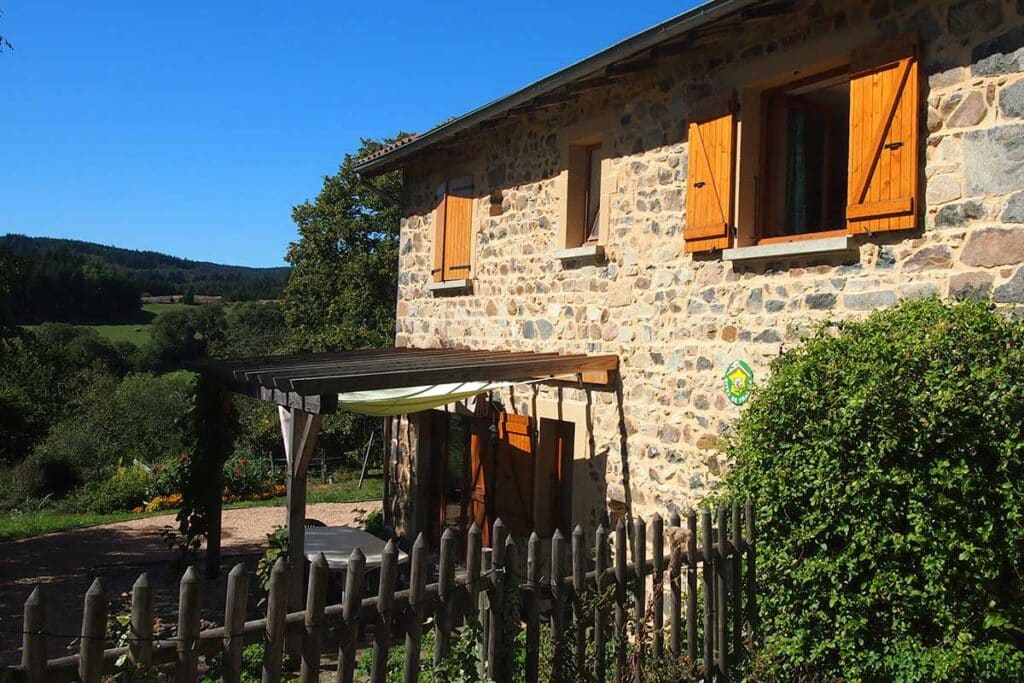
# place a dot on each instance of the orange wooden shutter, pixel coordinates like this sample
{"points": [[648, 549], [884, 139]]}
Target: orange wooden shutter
{"points": [[437, 270], [884, 140], [458, 228], [514, 473], [709, 183]]}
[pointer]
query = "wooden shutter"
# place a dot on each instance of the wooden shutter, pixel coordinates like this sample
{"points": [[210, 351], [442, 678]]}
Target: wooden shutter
{"points": [[437, 270], [514, 473], [709, 183], [884, 139], [458, 228]]}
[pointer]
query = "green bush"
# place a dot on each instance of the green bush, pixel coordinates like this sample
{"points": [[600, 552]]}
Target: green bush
{"points": [[245, 476], [127, 489], [886, 459]]}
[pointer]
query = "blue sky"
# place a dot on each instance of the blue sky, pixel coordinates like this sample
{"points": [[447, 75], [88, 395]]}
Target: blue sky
{"points": [[193, 128]]}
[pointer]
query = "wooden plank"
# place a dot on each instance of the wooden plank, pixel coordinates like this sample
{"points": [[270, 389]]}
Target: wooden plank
{"points": [[532, 607], [94, 631], [414, 625], [234, 622], [445, 592], [722, 593], [735, 578], [474, 545], [640, 583], [496, 616], [315, 622], [600, 620], [709, 594], [33, 641], [385, 605], [691, 586], [190, 605], [354, 582], [558, 606], [517, 369], [484, 605], [675, 584], [658, 608], [140, 632], [274, 629], [620, 600], [751, 573], [579, 584]]}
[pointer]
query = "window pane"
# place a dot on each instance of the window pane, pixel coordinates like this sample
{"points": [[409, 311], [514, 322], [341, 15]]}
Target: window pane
{"points": [[593, 192]]}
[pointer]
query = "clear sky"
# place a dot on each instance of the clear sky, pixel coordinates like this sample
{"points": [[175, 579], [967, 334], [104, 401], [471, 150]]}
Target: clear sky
{"points": [[193, 128]]}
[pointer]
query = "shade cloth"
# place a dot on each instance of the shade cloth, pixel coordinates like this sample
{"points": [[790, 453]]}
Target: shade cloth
{"points": [[405, 400]]}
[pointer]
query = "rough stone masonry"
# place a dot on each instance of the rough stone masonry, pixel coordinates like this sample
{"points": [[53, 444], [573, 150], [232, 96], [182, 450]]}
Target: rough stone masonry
{"points": [[675, 320]]}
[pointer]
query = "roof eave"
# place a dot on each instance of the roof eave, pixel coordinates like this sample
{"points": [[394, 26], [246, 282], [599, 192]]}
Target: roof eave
{"points": [[698, 16]]}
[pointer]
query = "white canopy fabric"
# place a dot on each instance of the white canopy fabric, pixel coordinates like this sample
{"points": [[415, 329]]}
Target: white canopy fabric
{"points": [[405, 400]]}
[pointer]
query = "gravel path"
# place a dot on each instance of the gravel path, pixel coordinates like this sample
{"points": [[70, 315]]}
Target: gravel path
{"points": [[66, 563]]}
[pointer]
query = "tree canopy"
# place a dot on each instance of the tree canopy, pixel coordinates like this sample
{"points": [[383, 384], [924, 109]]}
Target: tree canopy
{"points": [[341, 293]]}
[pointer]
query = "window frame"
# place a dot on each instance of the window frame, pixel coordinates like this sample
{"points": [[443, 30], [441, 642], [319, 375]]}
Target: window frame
{"points": [[763, 196]]}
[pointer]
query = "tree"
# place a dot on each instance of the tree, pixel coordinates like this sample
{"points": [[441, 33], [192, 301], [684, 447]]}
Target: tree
{"points": [[253, 329], [181, 336], [341, 292], [885, 458], [8, 274]]}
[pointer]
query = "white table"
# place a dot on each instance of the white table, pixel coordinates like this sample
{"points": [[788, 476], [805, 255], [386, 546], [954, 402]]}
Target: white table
{"points": [[338, 542]]}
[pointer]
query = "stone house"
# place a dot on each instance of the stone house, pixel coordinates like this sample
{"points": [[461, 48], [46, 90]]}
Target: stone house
{"points": [[700, 194]]}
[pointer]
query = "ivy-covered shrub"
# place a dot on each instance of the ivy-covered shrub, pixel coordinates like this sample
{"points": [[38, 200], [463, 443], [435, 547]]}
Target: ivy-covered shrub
{"points": [[886, 459]]}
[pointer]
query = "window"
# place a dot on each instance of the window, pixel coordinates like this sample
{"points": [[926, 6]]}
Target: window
{"points": [[833, 153], [583, 206], [592, 192], [453, 230], [805, 159]]}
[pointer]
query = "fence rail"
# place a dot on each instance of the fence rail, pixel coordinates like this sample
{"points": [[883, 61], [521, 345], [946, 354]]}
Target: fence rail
{"points": [[584, 594]]}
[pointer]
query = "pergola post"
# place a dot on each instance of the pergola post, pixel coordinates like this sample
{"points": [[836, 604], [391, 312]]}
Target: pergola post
{"points": [[217, 429], [299, 430]]}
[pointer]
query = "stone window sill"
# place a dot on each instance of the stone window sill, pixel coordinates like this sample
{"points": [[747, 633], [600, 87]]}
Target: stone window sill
{"points": [[825, 245], [588, 252], [451, 287]]}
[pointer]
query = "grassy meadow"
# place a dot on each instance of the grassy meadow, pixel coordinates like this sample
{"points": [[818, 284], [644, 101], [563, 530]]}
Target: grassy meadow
{"points": [[136, 332]]}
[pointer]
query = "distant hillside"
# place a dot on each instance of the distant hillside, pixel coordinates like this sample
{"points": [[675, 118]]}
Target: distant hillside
{"points": [[158, 274]]}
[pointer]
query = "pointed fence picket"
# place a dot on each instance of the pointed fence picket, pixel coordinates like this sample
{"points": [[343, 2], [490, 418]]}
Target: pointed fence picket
{"points": [[604, 608]]}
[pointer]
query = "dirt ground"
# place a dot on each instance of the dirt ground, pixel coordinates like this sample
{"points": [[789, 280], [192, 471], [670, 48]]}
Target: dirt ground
{"points": [[66, 563]]}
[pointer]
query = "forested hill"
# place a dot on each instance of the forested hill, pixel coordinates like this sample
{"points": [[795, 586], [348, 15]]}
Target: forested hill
{"points": [[153, 273]]}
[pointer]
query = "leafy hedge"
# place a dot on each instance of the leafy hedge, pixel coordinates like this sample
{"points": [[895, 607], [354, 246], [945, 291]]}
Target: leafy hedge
{"points": [[887, 460]]}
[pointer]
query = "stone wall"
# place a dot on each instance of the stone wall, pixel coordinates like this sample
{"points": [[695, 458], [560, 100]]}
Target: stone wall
{"points": [[676, 321]]}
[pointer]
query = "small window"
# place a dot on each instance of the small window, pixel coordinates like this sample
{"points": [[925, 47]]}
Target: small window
{"points": [[583, 219], [592, 226], [806, 156]]}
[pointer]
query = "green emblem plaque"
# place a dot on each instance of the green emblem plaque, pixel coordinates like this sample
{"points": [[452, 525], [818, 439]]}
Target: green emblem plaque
{"points": [[739, 380]]}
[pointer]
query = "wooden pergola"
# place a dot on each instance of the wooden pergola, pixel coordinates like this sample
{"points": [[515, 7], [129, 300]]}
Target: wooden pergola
{"points": [[306, 386]]}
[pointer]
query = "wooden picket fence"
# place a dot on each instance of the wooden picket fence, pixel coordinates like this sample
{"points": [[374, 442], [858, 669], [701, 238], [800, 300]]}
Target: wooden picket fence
{"points": [[708, 571]]}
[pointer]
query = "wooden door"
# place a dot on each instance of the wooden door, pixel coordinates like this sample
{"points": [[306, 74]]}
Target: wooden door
{"points": [[514, 466], [479, 470]]}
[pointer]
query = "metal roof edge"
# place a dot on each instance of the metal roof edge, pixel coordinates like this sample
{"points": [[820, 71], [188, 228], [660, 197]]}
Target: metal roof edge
{"points": [[700, 15]]}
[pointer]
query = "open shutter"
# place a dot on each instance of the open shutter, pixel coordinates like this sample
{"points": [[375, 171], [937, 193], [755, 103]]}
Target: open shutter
{"points": [[437, 270], [709, 183], [458, 228], [884, 139], [514, 469]]}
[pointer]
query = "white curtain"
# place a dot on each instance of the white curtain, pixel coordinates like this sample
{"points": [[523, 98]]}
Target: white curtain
{"points": [[404, 400]]}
